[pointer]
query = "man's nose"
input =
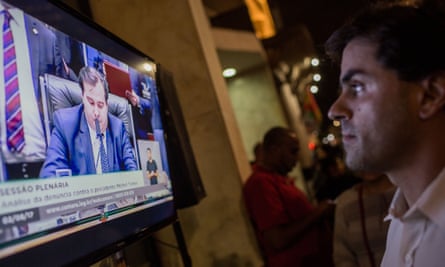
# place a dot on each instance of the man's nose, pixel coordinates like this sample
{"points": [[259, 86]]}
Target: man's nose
{"points": [[339, 110], [95, 112]]}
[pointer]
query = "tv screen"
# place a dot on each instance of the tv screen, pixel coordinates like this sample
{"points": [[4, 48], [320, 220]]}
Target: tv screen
{"points": [[84, 167]]}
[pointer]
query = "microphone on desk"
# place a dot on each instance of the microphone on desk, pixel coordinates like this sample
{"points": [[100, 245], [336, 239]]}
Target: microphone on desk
{"points": [[98, 132], [103, 154]]}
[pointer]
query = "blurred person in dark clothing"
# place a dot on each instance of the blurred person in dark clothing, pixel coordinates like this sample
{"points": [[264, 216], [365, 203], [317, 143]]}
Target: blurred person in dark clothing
{"points": [[331, 176]]}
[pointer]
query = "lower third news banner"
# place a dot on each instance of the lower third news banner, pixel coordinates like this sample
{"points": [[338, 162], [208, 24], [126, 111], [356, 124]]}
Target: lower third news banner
{"points": [[32, 206]]}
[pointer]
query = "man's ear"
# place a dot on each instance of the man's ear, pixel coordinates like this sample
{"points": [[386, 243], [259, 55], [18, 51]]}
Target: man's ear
{"points": [[433, 99]]}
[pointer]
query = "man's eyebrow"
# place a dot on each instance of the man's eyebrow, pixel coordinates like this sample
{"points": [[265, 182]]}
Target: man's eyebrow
{"points": [[349, 74]]}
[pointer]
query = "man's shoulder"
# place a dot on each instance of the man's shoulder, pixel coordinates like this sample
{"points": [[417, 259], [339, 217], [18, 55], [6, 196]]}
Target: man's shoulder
{"points": [[259, 174], [114, 121], [347, 196], [75, 108], [68, 114], [259, 178]]}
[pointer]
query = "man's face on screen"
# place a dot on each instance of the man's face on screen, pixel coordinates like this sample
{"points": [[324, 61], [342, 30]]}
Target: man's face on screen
{"points": [[95, 105], [149, 154]]}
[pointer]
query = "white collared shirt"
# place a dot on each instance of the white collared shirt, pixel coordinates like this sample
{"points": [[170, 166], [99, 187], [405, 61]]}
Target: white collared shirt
{"points": [[416, 235]]}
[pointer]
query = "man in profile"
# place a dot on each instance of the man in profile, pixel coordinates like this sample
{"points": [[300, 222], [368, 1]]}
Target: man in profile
{"points": [[86, 139], [392, 113]]}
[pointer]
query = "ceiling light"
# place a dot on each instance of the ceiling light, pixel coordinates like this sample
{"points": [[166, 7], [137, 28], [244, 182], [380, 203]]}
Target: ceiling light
{"points": [[229, 72], [316, 77], [315, 62], [148, 67], [314, 89]]}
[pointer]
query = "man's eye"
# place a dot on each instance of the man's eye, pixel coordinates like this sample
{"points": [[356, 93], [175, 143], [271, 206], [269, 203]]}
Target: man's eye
{"points": [[353, 88], [356, 87]]}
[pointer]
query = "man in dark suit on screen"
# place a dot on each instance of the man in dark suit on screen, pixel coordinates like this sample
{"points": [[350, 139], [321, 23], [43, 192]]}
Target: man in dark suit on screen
{"points": [[86, 139]]}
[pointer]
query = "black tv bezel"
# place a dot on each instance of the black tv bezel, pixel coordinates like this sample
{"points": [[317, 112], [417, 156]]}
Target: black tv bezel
{"points": [[99, 36], [89, 245]]}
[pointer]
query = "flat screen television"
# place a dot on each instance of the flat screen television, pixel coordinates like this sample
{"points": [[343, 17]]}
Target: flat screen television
{"points": [[60, 203]]}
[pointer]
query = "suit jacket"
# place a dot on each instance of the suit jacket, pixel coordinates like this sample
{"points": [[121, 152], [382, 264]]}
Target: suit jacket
{"points": [[70, 145], [42, 50]]}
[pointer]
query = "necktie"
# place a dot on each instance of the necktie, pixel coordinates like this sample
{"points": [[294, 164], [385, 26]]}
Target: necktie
{"points": [[15, 135], [102, 153]]}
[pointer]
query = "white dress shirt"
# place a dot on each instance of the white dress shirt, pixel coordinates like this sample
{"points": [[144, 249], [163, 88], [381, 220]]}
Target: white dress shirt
{"points": [[416, 234]]}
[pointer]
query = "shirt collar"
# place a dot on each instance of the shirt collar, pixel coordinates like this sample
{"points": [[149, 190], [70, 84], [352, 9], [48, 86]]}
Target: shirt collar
{"points": [[398, 206], [431, 203]]}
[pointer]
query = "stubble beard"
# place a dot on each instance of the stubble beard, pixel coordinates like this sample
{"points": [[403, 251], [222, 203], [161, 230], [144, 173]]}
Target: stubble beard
{"points": [[357, 158]]}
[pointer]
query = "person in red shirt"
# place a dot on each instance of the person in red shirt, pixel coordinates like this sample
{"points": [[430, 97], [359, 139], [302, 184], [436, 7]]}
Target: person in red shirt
{"points": [[291, 232]]}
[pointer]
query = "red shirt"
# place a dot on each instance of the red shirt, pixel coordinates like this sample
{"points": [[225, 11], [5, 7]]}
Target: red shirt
{"points": [[273, 200]]}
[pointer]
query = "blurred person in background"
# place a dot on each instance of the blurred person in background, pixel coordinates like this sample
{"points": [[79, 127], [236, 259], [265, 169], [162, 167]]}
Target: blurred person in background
{"points": [[291, 232], [331, 176], [359, 230]]}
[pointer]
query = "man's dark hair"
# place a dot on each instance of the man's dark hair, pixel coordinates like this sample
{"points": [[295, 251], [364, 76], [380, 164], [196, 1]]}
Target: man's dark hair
{"points": [[92, 76], [410, 40], [275, 136]]}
